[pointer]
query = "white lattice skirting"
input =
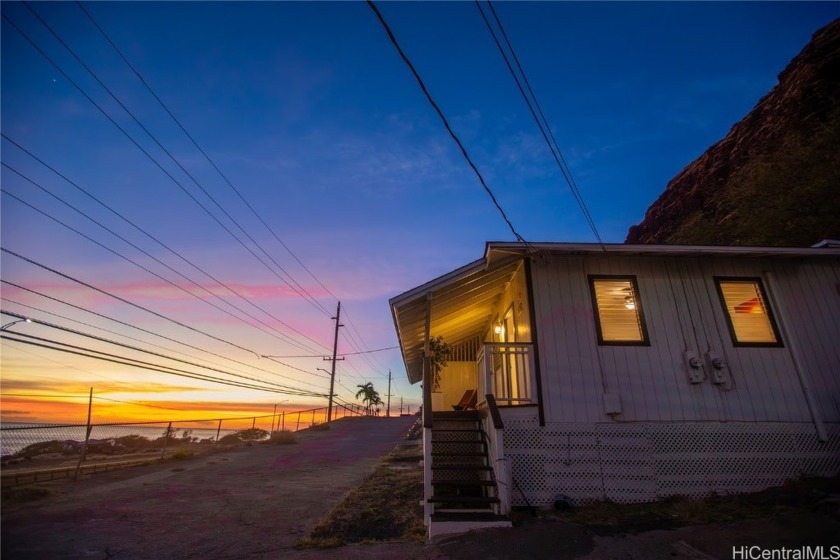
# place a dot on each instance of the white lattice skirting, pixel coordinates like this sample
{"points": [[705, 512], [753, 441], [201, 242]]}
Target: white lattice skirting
{"points": [[629, 463]]}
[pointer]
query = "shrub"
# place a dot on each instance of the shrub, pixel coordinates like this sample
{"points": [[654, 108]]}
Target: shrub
{"points": [[230, 439], [319, 427], [181, 454], [251, 434], [283, 437], [49, 447], [133, 441]]}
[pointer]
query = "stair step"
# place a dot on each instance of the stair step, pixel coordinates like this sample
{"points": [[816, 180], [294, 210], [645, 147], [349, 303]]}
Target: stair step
{"points": [[461, 467], [456, 415], [458, 454], [465, 500], [455, 431], [462, 482], [480, 517]]}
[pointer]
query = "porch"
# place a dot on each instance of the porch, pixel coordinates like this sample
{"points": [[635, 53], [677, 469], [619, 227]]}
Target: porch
{"points": [[504, 370], [483, 311]]}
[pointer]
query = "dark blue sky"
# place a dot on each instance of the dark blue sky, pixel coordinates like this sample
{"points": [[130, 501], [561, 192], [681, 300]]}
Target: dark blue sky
{"points": [[310, 113]]}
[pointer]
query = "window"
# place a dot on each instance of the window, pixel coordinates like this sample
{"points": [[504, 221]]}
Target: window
{"points": [[747, 312], [618, 312]]}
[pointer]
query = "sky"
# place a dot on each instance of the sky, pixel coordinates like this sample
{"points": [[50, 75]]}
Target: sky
{"points": [[338, 180]]}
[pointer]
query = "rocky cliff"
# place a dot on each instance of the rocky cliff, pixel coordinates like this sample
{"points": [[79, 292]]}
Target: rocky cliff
{"points": [[775, 178]]}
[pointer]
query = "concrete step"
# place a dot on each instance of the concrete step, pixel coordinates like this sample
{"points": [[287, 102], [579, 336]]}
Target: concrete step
{"points": [[451, 523]]}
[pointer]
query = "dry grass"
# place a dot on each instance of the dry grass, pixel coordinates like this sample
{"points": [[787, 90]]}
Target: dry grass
{"points": [[181, 454], [384, 508], [22, 494], [283, 437]]}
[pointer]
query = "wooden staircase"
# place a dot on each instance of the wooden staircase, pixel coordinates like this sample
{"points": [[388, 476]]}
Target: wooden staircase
{"points": [[465, 491]]}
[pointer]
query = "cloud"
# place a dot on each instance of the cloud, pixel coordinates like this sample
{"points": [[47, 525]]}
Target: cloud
{"points": [[56, 386]]}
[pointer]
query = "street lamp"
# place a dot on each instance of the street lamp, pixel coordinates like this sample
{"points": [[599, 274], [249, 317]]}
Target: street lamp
{"points": [[274, 415], [15, 322]]}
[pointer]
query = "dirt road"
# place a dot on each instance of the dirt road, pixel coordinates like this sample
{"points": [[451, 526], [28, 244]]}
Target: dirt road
{"points": [[254, 502]]}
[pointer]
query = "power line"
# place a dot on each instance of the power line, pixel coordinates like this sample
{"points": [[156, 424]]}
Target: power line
{"points": [[102, 356], [206, 156], [121, 129], [443, 118], [41, 294], [165, 246], [303, 294], [123, 300], [66, 365], [285, 338], [543, 125], [138, 349], [341, 354]]}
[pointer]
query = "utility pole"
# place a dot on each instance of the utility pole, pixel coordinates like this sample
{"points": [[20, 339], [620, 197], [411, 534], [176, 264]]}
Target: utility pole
{"points": [[388, 412], [334, 359], [401, 406]]}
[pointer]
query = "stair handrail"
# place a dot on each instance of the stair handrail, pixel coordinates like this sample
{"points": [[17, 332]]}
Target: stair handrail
{"points": [[494, 411], [495, 441]]}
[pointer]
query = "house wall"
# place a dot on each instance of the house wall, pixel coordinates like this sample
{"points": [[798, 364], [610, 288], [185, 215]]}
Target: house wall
{"points": [[456, 378], [810, 294], [683, 312], [515, 294]]}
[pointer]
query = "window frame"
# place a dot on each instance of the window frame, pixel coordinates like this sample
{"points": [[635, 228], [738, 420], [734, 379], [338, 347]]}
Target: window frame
{"points": [[768, 311], [639, 309]]}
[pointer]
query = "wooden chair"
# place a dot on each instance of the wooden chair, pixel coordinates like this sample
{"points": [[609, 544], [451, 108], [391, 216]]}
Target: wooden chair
{"points": [[468, 401]]}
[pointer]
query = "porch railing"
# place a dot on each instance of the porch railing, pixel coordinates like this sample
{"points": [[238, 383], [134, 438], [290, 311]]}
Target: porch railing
{"points": [[507, 371]]}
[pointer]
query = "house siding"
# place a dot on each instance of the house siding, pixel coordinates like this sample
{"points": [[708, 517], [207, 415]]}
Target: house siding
{"points": [[514, 295], [683, 312], [811, 295]]}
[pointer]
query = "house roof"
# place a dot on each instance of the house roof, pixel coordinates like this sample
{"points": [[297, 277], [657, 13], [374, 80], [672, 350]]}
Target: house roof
{"points": [[463, 301], [825, 248]]}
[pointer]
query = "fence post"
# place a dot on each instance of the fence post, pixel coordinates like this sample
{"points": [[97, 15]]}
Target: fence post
{"points": [[313, 417], [166, 441], [298, 423], [254, 423], [283, 420], [87, 436], [218, 430]]}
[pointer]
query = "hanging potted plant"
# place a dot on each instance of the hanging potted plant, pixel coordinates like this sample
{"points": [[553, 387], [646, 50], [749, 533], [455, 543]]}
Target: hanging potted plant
{"points": [[439, 354]]}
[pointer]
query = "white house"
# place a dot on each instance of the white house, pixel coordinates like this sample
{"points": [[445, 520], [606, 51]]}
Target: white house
{"points": [[624, 372]]}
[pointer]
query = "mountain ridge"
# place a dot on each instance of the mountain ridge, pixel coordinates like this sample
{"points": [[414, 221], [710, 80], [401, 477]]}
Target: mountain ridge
{"points": [[774, 179]]}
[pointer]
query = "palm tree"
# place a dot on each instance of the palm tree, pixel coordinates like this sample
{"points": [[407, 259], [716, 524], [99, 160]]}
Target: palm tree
{"points": [[369, 395]]}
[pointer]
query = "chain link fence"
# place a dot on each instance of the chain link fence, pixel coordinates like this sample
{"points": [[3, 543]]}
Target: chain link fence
{"points": [[32, 452]]}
